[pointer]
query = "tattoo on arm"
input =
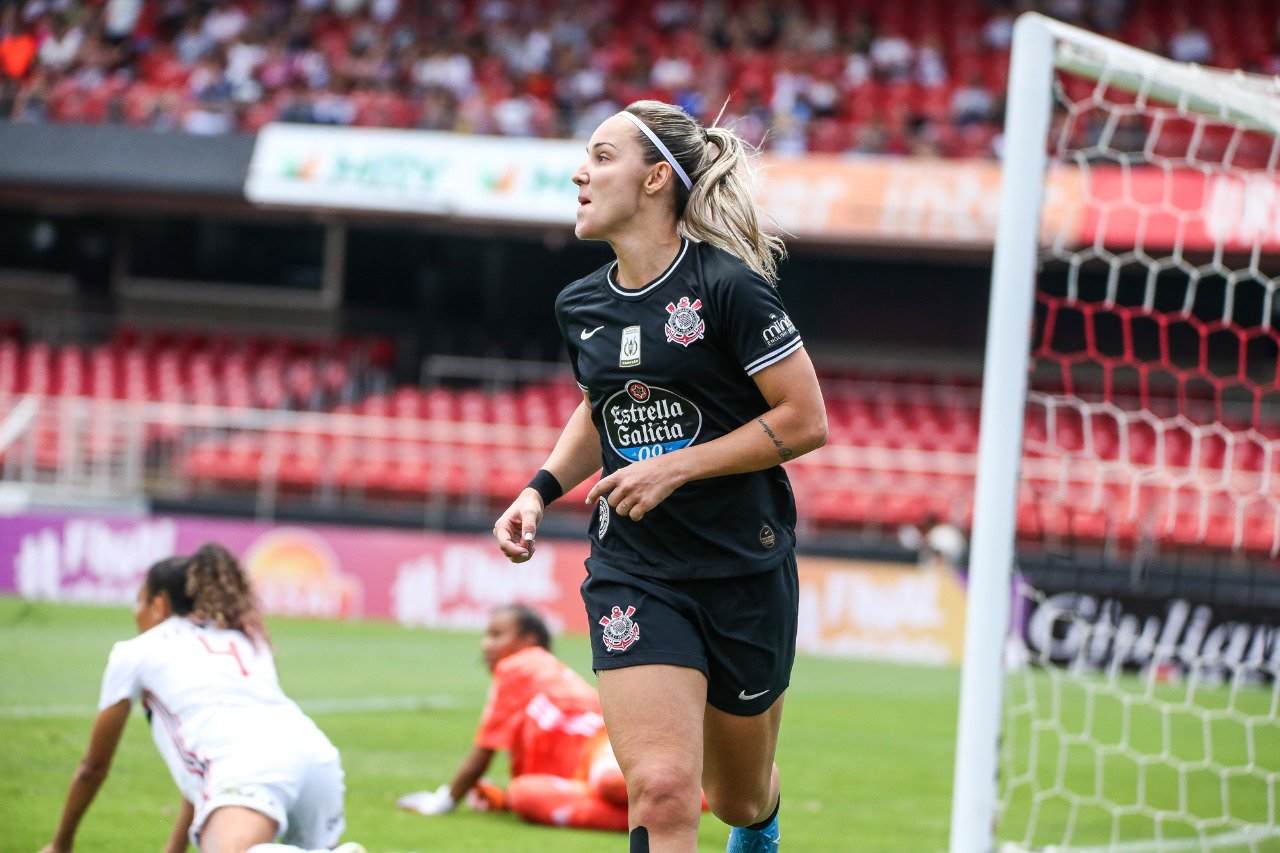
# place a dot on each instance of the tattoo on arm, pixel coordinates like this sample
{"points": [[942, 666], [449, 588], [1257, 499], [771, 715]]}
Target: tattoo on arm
{"points": [[784, 452]]}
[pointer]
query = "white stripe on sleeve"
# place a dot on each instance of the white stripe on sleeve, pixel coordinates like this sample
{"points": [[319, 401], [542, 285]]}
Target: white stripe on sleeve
{"points": [[772, 358]]}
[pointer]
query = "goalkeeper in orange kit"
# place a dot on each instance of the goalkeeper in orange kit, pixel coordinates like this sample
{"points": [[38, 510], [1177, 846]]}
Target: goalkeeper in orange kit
{"points": [[547, 717]]}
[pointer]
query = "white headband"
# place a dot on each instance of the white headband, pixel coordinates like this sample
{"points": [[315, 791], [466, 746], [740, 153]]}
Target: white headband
{"points": [[662, 149]]}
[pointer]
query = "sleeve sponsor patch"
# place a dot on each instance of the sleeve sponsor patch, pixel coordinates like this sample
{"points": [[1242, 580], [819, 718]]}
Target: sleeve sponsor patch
{"points": [[777, 331]]}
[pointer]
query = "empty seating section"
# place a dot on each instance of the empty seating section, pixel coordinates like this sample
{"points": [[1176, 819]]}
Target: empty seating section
{"points": [[192, 369], [407, 443], [266, 373], [902, 449]]}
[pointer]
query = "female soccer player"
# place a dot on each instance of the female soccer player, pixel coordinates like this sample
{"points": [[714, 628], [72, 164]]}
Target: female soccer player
{"points": [[251, 767], [563, 772], [696, 386]]}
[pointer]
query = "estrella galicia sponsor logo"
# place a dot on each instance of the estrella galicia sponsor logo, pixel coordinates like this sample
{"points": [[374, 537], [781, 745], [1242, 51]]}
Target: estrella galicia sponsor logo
{"points": [[780, 328], [643, 421]]}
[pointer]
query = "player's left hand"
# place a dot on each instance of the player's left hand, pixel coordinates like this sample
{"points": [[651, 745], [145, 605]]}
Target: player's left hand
{"points": [[634, 490]]}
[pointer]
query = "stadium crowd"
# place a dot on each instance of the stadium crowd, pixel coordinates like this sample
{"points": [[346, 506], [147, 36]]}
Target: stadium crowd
{"points": [[920, 78]]}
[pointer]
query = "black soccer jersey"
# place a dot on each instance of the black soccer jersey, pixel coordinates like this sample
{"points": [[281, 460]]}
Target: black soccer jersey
{"points": [[667, 366]]}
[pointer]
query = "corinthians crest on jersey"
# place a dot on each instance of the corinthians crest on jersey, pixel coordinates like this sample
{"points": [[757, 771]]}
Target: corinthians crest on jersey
{"points": [[684, 325]]}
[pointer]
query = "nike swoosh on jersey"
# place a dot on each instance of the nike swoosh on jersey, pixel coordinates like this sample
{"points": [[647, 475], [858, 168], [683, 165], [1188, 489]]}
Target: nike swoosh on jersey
{"points": [[586, 334], [747, 697]]}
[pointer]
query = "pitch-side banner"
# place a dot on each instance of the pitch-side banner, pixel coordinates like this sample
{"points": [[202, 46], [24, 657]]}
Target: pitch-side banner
{"points": [[884, 611], [897, 201], [901, 201], [320, 571], [1094, 632], [955, 203], [446, 580], [529, 181], [403, 171]]}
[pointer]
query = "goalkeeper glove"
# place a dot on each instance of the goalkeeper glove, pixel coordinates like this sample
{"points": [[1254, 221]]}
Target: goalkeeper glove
{"points": [[428, 802]]}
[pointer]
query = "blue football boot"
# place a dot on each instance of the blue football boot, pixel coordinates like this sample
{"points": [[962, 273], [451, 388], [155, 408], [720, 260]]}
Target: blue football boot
{"points": [[743, 839]]}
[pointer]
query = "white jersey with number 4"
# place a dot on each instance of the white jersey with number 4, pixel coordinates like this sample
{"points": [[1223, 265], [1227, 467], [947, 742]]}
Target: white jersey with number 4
{"points": [[215, 705]]}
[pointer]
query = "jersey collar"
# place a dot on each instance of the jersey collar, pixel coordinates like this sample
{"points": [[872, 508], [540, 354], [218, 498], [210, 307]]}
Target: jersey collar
{"points": [[610, 273]]}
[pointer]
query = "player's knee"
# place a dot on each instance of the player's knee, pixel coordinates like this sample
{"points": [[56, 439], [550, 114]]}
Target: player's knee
{"points": [[523, 794], [740, 810], [537, 796], [662, 797]]}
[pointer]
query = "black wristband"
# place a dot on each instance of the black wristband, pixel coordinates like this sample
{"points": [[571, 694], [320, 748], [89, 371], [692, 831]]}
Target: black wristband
{"points": [[546, 485]]}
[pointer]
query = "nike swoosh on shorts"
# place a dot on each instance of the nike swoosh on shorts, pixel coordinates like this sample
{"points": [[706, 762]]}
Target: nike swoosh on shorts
{"points": [[747, 697], [586, 334]]}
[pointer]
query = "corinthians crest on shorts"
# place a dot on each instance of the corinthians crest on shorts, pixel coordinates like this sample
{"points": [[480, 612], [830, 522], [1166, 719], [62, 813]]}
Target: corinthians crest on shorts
{"points": [[684, 326], [620, 630]]}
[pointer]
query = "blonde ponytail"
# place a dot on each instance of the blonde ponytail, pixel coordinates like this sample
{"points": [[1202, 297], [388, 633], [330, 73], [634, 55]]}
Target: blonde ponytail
{"points": [[720, 209]]}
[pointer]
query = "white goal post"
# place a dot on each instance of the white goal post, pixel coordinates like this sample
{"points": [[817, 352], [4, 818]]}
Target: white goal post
{"points": [[1159, 90]]}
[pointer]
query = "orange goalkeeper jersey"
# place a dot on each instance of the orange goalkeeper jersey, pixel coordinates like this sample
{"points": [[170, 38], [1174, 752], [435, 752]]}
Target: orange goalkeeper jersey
{"points": [[540, 711]]}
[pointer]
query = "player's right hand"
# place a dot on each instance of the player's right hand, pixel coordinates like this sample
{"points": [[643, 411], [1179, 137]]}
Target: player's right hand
{"points": [[517, 528]]}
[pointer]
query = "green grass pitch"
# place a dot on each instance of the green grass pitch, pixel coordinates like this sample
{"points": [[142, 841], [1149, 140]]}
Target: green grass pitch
{"points": [[865, 750]]}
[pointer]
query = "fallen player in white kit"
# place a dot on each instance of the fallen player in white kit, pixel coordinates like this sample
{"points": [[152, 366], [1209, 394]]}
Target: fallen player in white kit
{"points": [[250, 765]]}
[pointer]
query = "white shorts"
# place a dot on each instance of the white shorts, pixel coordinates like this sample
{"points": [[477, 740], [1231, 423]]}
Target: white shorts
{"points": [[305, 800]]}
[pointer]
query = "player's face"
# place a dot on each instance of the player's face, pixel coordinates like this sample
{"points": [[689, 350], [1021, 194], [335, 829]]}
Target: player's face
{"points": [[610, 181], [501, 638], [150, 610]]}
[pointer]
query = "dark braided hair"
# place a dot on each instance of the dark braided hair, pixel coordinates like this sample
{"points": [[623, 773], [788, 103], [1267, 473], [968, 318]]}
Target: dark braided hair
{"points": [[210, 587], [170, 578], [529, 623]]}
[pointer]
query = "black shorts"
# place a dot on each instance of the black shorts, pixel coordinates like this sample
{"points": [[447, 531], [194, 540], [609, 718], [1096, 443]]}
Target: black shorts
{"points": [[740, 632]]}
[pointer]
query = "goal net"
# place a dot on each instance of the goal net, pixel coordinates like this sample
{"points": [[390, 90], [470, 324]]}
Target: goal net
{"points": [[1122, 683]]}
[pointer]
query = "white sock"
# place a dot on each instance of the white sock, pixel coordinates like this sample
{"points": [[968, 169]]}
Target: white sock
{"points": [[280, 848]]}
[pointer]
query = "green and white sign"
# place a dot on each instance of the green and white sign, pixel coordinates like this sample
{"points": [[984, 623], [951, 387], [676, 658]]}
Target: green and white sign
{"points": [[445, 174]]}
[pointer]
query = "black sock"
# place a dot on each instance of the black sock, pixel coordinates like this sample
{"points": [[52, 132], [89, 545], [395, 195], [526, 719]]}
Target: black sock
{"points": [[639, 840], [762, 824]]}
